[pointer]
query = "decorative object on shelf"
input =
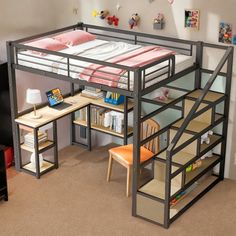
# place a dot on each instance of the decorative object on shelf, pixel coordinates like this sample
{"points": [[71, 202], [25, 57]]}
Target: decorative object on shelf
{"points": [[114, 98], [104, 14], [32, 160], [133, 21], [205, 138], [162, 94], [112, 20], [192, 18], [234, 39], [194, 166], [33, 96], [225, 33], [158, 22]]}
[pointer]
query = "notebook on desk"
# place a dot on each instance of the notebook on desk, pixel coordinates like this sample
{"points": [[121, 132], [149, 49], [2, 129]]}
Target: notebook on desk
{"points": [[55, 99]]}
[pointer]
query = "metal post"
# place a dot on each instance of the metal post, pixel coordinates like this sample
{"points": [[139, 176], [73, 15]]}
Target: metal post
{"points": [[226, 112], [125, 120], [13, 100], [55, 144], [199, 58], [89, 127], [136, 137], [36, 153], [167, 190]]}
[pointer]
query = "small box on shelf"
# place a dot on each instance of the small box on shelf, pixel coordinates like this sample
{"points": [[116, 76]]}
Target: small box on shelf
{"points": [[114, 98]]}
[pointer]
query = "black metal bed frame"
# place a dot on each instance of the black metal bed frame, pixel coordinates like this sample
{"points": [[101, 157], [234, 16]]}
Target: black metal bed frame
{"points": [[137, 93]]}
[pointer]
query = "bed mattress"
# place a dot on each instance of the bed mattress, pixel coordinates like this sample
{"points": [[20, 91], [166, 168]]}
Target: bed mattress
{"points": [[99, 50]]}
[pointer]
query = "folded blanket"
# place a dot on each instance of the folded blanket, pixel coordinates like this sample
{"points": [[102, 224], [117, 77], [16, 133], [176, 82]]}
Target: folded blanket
{"points": [[137, 58]]}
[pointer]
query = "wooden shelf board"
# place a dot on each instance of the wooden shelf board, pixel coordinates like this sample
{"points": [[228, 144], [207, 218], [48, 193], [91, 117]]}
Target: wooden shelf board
{"points": [[180, 158], [210, 97], [205, 163], [103, 129], [194, 126], [46, 165], [190, 196], [41, 146], [213, 138], [156, 188]]}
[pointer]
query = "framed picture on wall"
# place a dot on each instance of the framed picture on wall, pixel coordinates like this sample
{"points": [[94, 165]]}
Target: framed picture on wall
{"points": [[225, 33], [192, 18]]}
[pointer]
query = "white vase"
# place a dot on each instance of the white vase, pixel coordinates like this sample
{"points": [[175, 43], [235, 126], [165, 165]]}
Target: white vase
{"points": [[32, 160]]}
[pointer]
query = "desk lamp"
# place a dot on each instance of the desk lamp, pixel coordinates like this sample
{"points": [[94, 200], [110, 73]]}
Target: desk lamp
{"points": [[33, 96]]}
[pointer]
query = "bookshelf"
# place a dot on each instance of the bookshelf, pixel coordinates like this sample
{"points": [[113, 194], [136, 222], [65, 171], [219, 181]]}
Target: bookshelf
{"points": [[93, 117]]}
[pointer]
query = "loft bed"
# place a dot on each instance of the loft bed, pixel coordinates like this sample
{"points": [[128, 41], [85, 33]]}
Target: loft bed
{"points": [[78, 66]]}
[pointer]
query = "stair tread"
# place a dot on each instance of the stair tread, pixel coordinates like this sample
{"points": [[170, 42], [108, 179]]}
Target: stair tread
{"points": [[210, 96], [156, 188], [195, 126], [180, 158]]}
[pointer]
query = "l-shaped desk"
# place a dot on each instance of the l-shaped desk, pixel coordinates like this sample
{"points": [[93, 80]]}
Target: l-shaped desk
{"points": [[51, 115]]}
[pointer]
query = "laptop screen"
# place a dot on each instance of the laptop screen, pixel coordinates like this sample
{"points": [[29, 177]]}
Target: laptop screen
{"points": [[54, 97]]}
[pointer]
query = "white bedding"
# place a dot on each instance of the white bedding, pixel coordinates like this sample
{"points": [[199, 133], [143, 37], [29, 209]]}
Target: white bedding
{"points": [[99, 50]]}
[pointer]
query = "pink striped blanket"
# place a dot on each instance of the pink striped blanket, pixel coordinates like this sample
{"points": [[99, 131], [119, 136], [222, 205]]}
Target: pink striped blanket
{"points": [[137, 58]]}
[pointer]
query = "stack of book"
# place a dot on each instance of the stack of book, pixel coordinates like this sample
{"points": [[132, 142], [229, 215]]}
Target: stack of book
{"points": [[29, 139], [107, 118], [91, 92]]}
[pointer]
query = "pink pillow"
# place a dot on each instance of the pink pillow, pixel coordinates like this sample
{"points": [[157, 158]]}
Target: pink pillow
{"points": [[47, 43], [74, 37]]}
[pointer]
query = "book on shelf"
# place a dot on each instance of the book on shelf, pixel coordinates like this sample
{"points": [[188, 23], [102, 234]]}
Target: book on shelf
{"points": [[29, 138], [95, 94]]}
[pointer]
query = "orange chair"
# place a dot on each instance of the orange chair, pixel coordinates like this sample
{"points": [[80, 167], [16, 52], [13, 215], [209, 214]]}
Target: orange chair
{"points": [[124, 154]]}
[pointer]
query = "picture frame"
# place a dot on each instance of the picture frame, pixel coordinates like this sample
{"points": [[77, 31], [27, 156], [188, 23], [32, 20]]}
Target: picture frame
{"points": [[225, 33], [192, 18]]}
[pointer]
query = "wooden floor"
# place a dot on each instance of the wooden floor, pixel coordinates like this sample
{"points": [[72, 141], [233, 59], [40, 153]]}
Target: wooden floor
{"points": [[77, 200]]}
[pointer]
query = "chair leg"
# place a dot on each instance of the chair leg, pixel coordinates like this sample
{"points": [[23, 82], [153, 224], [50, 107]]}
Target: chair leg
{"points": [[109, 167], [128, 181]]}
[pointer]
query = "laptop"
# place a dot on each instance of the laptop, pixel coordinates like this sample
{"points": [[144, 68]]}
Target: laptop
{"points": [[55, 99]]}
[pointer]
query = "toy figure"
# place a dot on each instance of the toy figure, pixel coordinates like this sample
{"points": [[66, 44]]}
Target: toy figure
{"points": [[113, 20], [205, 137], [162, 94], [104, 14], [133, 21]]}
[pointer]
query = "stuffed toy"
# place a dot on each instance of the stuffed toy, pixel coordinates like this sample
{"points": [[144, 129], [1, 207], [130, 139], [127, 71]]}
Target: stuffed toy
{"points": [[104, 14], [133, 21], [112, 20], [162, 94], [205, 137]]}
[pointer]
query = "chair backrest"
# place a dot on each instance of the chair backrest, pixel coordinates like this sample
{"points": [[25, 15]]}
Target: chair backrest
{"points": [[150, 127]]}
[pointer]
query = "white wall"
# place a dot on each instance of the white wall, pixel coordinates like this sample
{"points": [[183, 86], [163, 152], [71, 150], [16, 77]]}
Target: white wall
{"points": [[31, 16]]}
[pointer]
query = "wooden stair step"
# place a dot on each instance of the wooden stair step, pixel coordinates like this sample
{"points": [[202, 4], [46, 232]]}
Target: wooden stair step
{"points": [[180, 158], [194, 126], [210, 96]]}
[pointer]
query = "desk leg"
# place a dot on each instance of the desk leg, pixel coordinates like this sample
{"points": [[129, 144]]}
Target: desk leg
{"points": [[36, 151], [55, 144], [89, 127], [72, 129]]}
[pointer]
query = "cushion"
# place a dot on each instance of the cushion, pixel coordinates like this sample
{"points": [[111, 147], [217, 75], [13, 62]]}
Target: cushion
{"points": [[47, 43], [74, 37], [125, 153]]}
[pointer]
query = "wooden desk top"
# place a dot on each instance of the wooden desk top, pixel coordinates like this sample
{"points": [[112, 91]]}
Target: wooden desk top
{"points": [[50, 114]]}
